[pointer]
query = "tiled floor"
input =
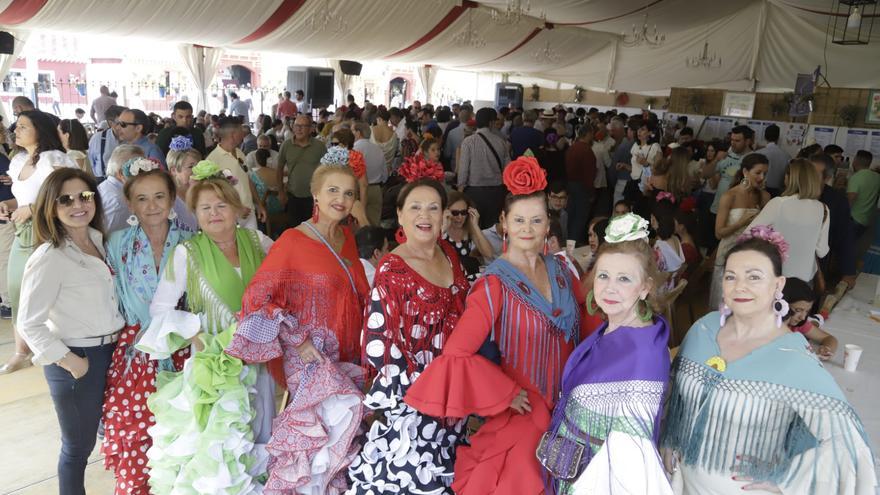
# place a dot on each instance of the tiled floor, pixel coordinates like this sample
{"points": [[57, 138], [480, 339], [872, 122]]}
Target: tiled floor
{"points": [[29, 436]]}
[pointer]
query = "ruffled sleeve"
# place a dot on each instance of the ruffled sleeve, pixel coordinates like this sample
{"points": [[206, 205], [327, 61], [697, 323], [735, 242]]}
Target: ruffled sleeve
{"points": [[256, 338], [460, 382], [170, 328]]}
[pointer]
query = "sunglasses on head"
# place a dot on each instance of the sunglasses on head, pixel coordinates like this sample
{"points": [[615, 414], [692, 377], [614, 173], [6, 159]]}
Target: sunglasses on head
{"points": [[334, 143], [68, 199], [458, 213], [125, 124]]}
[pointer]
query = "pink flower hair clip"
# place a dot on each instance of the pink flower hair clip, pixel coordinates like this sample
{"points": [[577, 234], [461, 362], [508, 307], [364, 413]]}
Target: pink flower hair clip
{"points": [[767, 233]]}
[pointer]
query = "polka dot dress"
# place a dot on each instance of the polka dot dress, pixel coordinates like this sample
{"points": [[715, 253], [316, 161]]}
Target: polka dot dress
{"points": [[407, 324], [130, 380]]}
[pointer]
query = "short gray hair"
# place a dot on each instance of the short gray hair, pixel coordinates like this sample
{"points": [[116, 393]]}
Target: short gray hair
{"points": [[120, 155], [363, 128]]}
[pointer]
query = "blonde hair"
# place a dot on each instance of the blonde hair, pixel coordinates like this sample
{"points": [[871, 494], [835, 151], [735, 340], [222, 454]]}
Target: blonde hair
{"points": [[175, 158], [322, 172], [802, 180], [221, 187], [643, 252]]}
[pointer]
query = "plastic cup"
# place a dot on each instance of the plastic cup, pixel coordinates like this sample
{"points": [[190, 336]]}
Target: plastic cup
{"points": [[851, 355]]}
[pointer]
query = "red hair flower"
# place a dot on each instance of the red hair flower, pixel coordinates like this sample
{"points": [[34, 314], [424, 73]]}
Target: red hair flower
{"points": [[524, 176], [417, 167], [357, 163]]}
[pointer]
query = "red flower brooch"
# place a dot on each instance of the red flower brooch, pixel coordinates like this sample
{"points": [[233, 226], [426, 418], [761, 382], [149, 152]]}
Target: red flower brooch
{"points": [[417, 167], [357, 163], [524, 176]]}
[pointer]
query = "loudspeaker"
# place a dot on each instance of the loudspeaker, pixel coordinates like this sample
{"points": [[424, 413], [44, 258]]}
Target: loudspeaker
{"points": [[350, 67], [507, 93], [316, 83], [7, 43]]}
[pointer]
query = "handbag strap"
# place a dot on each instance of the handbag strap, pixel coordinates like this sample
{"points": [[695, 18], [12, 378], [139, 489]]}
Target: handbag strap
{"points": [[492, 149], [335, 254]]}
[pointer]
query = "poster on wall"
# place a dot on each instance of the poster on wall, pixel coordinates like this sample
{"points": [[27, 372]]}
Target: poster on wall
{"points": [[872, 116], [793, 135], [824, 135], [856, 139], [738, 104], [875, 146]]}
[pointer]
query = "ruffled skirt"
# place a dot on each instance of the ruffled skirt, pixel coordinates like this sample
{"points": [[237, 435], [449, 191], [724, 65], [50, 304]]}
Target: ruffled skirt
{"points": [[404, 450], [207, 420], [131, 380]]}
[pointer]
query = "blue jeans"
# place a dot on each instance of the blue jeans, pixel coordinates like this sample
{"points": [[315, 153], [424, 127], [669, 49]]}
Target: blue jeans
{"points": [[78, 407]]}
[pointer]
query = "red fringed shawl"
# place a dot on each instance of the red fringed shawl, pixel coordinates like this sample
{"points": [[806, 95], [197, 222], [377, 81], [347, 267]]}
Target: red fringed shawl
{"points": [[301, 277]]}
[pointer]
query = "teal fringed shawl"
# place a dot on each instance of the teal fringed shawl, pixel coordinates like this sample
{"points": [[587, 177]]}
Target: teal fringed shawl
{"points": [[769, 415]]}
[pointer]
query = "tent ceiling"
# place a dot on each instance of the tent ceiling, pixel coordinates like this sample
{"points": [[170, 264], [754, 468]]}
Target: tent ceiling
{"points": [[766, 42]]}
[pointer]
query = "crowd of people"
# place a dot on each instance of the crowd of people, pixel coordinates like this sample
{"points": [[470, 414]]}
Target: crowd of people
{"points": [[446, 301]]}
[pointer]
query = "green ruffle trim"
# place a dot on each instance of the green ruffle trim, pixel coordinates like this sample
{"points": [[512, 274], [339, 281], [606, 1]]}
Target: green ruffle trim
{"points": [[202, 439]]}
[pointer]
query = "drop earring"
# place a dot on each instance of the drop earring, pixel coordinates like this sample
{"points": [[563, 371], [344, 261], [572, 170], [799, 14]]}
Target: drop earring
{"points": [[132, 220], [315, 212], [724, 311], [504, 243], [546, 246], [400, 236], [780, 308]]}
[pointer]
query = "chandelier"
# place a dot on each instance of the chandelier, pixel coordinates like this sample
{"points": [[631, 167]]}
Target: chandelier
{"points": [[640, 35], [324, 17], [469, 37], [703, 60], [513, 12], [546, 54]]}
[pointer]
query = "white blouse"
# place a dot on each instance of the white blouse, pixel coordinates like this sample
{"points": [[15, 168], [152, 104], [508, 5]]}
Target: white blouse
{"points": [[649, 151], [804, 224], [25, 191], [66, 295]]}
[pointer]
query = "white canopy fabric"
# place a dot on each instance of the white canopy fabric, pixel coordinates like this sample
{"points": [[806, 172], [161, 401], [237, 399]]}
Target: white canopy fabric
{"points": [[763, 44], [427, 75], [201, 62]]}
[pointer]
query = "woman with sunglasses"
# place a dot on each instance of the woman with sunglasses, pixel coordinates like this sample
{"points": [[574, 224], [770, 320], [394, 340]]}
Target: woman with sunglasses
{"points": [[462, 231], [68, 313], [42, 152]]}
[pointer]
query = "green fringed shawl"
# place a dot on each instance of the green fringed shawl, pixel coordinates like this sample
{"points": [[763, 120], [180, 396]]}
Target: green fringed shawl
{"points": [[775, 415], [213, 287]]}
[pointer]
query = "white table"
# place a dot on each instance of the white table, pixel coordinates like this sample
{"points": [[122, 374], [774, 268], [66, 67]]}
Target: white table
{"points": [[850, 323]]}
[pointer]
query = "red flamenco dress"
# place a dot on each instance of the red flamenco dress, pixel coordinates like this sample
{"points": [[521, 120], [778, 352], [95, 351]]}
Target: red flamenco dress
{"points": [[534, 337], [305, 290]]}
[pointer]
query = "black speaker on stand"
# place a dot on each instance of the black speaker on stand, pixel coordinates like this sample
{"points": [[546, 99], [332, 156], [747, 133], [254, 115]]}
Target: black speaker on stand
{"points": [[316, 83], [7, 43]]}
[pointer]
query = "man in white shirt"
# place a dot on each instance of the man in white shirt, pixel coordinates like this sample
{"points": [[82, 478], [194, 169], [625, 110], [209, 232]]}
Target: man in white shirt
{"points": [[778, 159], [377, 171], [101, 104], [227, 155], [398, 122], [113, 202], [372, 247], [263, 143], [301, 105]]}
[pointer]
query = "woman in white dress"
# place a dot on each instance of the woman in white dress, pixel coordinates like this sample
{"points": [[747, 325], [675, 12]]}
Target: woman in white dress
{"points": [[42, 153], [799, 216], [738, 206]]}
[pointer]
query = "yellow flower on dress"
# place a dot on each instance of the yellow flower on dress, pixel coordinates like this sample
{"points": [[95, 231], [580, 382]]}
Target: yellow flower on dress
{"points": [[717, 363]]}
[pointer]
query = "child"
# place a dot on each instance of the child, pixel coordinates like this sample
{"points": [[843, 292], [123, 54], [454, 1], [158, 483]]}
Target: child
{"points": [[667, 246], [685, 223], [801, 298]]}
